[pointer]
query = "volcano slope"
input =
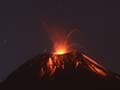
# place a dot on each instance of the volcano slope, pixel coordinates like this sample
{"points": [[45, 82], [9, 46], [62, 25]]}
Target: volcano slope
{"points": [[71, 71]]}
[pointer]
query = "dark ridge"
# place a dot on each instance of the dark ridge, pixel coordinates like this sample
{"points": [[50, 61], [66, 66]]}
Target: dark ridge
{"points": [[27, 77]]}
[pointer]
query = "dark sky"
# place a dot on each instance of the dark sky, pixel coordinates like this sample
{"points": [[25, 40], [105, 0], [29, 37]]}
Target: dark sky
{"points": [[22, 35]]}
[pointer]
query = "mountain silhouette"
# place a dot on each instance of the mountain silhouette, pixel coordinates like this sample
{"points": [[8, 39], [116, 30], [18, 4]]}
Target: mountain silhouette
{"points": [[89, 75]]}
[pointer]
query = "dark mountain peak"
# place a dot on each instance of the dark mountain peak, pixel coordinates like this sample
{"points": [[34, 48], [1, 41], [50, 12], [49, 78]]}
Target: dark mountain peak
{"points": [[72, 70]]}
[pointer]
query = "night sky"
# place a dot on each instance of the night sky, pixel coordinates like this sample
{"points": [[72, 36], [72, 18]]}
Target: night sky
{"points": [[22, 35]]}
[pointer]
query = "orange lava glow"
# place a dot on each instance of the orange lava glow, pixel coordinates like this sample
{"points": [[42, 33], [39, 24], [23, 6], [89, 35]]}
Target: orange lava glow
{"points": [[60, 50], [61, 46], [60, 40]]}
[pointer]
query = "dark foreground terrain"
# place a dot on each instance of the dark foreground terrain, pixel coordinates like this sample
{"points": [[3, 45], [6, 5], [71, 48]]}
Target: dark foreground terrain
{"points": [[27, 77]]}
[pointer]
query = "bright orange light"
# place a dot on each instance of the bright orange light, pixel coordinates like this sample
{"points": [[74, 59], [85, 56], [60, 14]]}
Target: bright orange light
{"points": [[60, 50], [60, 40]]}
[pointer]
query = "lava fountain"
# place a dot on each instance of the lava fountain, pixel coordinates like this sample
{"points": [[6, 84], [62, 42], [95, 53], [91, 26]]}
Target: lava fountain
{"points": [[63, 52]]}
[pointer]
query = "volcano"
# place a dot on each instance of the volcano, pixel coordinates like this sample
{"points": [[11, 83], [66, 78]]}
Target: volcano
{"points": [[74, 70]]}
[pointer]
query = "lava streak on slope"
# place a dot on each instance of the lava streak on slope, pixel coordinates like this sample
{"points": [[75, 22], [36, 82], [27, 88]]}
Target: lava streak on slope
{"points": [[63, 52], [74, 59]]}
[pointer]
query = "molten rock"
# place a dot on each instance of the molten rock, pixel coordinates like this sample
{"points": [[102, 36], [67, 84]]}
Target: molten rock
{"points": [[74, 70]]}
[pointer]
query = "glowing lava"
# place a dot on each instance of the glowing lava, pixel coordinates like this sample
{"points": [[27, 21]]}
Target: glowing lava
{"points": [[60, 50], [62, 53], [75, 59], [60, 40]]}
